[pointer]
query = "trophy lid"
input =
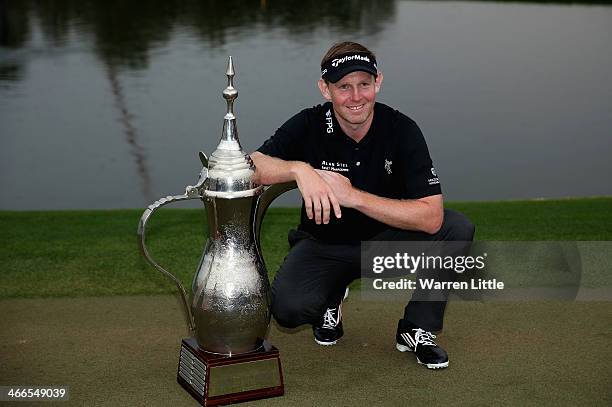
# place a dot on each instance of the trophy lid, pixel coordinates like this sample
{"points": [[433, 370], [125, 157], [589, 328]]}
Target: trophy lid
{"points": [[230, 169]]}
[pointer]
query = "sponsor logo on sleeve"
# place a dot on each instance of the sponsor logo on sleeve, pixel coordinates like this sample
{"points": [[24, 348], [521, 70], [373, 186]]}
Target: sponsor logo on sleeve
{"points": [[434, 180]]}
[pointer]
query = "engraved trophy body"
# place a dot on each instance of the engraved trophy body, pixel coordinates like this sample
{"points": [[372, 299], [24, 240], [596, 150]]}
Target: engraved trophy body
{"points": [[228, 311]]}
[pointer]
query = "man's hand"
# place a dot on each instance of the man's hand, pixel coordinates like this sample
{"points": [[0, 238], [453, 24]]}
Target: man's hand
{"points": [[341, 187], [319, 196], [424, 214]]}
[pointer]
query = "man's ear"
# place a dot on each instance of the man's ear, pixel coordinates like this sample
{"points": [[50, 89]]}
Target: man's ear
{"points": [[378, 82], [324, 88]]}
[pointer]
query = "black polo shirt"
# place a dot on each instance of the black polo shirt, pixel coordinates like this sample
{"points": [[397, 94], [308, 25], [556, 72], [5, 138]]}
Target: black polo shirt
{"points": [[391, 161]]}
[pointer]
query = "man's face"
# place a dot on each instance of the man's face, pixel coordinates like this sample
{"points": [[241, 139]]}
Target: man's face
{"points": [[353, 96]]}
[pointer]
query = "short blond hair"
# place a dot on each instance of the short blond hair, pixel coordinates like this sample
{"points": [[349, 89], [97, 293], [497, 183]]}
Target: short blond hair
{"points": [[345, 47]]}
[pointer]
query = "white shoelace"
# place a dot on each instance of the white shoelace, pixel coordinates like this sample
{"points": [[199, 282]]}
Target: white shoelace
{"points": [[329, 321], [422, 337]]}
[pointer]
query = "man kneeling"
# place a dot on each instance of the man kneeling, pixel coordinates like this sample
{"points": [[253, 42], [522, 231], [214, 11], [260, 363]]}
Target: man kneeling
{"points": [[365, 173]]}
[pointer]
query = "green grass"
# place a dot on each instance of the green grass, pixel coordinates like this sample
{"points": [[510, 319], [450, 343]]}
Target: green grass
{"points": [[95, 253]]}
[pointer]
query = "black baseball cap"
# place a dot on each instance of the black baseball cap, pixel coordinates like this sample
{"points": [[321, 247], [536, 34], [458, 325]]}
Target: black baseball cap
{"points": [[334, 69]]}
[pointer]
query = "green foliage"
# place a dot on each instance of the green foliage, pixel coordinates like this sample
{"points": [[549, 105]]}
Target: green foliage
{"points": [[95, 253]]}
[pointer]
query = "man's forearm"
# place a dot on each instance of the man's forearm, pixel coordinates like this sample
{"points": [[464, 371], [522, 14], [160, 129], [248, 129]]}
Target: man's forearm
{"points": [[272, 170], [426, 214], [318, 197]]}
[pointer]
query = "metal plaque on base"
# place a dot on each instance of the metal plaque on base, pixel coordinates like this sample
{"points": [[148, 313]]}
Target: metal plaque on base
{"points": [[214, 379]]}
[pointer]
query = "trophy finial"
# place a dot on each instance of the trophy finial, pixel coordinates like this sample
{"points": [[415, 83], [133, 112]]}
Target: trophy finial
{"points": [[230, 66], [230, 169], [230, 93]]}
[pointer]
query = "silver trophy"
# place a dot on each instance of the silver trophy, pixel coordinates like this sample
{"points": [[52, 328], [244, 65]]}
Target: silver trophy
{"points": [[227, 359]]}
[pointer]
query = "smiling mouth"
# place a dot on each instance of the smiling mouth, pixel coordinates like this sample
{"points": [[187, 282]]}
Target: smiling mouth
{"points": [[355, 108]]}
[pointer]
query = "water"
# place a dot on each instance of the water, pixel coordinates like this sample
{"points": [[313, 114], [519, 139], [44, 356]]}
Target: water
{"points": [[104, 104]]}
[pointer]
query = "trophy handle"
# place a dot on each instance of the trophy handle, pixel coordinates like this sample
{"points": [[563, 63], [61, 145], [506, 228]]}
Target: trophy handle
{"points": [[265, 199], [191, 192]]}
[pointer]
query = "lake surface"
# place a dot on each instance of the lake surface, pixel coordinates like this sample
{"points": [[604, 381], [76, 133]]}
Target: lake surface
{"points": [[104, 104]]}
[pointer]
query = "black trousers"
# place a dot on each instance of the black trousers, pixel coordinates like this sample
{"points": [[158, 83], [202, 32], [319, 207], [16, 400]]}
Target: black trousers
{"points": [[315, 274]]}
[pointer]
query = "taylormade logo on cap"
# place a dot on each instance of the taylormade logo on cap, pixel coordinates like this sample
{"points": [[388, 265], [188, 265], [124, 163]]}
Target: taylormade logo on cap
{"points": [[334, 69], [338, 61]]}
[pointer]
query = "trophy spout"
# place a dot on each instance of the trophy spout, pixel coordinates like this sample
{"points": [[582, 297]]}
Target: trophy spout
{"points": [[143, 249], [265, 199], [191, 192]]}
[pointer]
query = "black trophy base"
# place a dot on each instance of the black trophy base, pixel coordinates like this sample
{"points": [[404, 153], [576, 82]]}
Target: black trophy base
{"points": [[218, 380]]}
